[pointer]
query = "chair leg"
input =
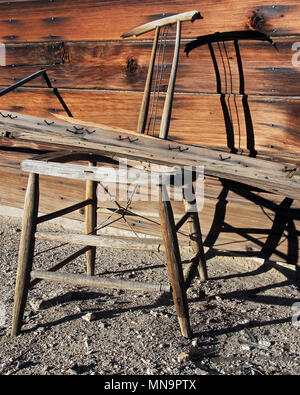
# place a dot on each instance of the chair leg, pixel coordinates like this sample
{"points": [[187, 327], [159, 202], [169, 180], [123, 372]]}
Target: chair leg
{"points": [[91, 222], [195, 236], [26, 251], [174, 261]]}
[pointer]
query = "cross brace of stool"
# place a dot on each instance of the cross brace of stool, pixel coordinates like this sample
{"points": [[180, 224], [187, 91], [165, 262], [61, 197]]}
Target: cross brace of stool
{"points": [[27, 277]]}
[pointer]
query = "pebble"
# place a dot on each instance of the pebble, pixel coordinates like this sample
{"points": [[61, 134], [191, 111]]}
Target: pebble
{"points": [[211, 320], [264, 343], [28, 313], [102, 325], [89, 317], [183, 357], [37, 304], [245, 347], [16, 230], [195, 342], [154, 313], [200, 372]]}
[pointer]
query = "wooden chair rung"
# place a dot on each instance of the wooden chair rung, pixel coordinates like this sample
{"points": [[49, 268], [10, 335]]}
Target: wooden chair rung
{"points": [[92, 281], [61, 264]]}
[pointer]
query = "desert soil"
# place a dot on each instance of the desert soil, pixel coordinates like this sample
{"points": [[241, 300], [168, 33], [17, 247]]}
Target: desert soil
{"points": [[244, 318]]}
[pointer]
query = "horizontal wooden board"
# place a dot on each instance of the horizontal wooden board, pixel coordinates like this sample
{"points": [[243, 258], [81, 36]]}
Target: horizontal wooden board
{"points": [[123, 66], [273, 177], [196, 119], [231, 221], [76, 20]]}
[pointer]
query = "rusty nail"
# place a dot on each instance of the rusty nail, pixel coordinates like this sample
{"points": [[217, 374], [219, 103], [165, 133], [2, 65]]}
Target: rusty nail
{"points": [[128, 138], [48, 123], [221, 157], [178, 148]]}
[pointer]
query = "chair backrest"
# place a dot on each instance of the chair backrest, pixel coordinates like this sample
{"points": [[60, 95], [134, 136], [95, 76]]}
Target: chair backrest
{"points": [[224, 80], [160, 36]]}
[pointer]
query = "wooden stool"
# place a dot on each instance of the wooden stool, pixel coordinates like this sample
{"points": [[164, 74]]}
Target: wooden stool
{"points": [[53, 164]]}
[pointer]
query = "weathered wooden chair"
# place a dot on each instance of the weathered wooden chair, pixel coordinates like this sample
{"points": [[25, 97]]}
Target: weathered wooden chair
{"points": [[55, 164]]}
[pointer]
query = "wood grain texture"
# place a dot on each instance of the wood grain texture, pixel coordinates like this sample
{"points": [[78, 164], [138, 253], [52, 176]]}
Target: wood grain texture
{"points": [[79, 43], [89, 20], [266, 175], [237, 222], [196, 119], [124, 65]]}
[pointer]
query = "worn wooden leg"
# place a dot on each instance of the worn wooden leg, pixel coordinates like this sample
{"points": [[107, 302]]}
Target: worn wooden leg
{"points": [[199, 263], [26, 251], [91, 222], [174, 261]]}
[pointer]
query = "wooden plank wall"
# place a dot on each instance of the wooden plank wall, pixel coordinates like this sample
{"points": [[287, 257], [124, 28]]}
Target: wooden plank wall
{"points": [[101, 77]]}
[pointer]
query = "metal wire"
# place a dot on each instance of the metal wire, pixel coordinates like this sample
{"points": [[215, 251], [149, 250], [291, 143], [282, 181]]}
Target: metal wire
{"points": [[158, 78]]}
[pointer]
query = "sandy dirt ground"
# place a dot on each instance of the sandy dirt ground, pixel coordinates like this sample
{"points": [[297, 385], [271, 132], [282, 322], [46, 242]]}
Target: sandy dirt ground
{"points": [[244, 319]]}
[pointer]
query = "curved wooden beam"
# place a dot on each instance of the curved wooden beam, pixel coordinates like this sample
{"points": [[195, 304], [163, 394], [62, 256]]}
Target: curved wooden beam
{"points": [[148, 27]]}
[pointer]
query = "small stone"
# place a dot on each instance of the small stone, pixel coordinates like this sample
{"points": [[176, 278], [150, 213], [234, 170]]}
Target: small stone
{"points": [[211, 320], [202, 306], [162, 345], [201, 372], [218, 298], [245, 347], [244, 322], [154, 313], [131, 275], [40, 330], [195, 342], [102, 325], [264, 343], [28, 313], [37, 304], [183, 357], [89, 317]]}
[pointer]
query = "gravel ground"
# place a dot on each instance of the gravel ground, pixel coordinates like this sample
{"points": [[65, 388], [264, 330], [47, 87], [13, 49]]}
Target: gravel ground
{"points": [[241, 318]]}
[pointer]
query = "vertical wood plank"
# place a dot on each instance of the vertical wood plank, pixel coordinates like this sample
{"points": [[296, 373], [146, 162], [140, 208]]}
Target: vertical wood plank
{"points": [[166, 116], [174, 261], [147, 91], [26, 251], [91, 222]]}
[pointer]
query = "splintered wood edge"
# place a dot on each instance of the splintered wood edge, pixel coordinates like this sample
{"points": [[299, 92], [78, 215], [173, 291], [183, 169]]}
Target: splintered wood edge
{"points": [[147, 27]]}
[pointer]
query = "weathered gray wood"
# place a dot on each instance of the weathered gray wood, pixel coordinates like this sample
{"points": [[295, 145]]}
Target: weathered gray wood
{"points": [[174, 261], [26, 251], [147, 91], [61, 264], [91, 222], [85, 173], [102, 282], [101, 241], [148, 27], [259, 173], [166, 115]]}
